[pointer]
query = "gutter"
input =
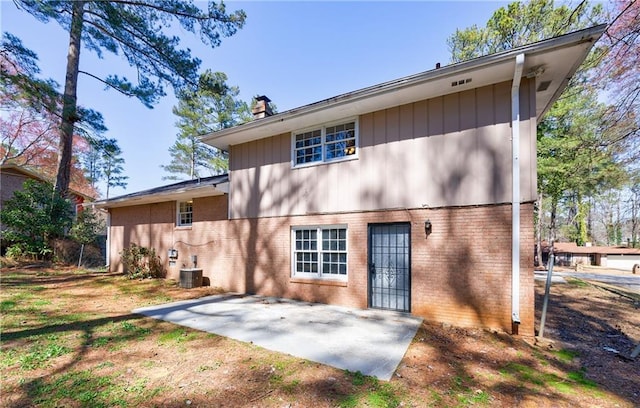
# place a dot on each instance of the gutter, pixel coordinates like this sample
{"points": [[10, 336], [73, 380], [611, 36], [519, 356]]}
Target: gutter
{"points": [[150, 198], [566, 40], [515, 199]]}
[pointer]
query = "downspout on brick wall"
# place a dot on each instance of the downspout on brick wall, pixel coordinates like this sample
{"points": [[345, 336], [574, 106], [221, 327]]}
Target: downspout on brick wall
{"points": [[515, 199]]}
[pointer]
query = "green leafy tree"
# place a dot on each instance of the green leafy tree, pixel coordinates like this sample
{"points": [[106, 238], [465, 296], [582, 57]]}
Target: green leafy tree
{"points": [[578, 149], [34, 217], [135, 29], [575, 157], [86, 228], [518, 24], [211, 106]]}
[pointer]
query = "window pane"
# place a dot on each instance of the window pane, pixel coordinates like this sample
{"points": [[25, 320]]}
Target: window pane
{"points": [[327, 257], [340, 141], [334, 256], [308, 146], [185, 213]]}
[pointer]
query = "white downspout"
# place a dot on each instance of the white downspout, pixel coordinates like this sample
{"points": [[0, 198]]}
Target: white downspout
{"points": [[108, 242], [515, 200]]}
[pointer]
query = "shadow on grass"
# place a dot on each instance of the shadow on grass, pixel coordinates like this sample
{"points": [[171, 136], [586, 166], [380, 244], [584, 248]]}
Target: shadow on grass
{"points": [[21, 277], [39, 332], [470, 366], [512, 373], [87, 327], [590, 325]]}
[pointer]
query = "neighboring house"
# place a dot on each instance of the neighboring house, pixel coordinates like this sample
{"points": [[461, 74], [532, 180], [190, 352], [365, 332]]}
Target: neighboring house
{"points": [[12, 177], [399, 196], [570, 254]]}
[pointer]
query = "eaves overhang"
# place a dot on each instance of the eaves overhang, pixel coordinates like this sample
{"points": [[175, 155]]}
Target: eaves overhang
{"points": [[9, 168], [204, 187], [551, 62]]}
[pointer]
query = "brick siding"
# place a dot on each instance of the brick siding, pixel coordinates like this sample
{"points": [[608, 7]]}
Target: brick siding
{"points": [[460, 273]]}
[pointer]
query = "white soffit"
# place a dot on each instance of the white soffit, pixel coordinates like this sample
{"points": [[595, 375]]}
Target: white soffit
{"points": [[175, 195], [559, 57]]}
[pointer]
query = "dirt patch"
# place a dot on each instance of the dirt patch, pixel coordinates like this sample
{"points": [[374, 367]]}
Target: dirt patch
{"points": [[108, 356]]}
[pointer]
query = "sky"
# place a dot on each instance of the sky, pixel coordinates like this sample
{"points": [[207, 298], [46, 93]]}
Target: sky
{"points": [[294, 52]]}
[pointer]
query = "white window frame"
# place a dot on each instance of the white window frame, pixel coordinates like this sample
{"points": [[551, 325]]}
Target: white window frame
{"points": [[319, 252], [179, 213], [324, 143]]}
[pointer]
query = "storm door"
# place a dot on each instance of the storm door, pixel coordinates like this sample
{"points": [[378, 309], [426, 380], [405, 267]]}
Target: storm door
{"points": [[390, 266]]}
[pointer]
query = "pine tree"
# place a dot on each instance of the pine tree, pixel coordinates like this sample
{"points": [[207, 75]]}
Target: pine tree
{"points": [[137, 31], [211, 106], [577, 152]]}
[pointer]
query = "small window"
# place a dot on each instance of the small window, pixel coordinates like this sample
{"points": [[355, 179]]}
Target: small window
{"points": [[325, 144], [185, 213], [320, 252]]}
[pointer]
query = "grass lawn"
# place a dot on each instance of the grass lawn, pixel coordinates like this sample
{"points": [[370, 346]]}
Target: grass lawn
{"points": [[69, 339]]}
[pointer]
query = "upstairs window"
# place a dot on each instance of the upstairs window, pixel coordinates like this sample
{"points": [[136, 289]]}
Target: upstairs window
{"points": [[325, 144], [185, 213]]}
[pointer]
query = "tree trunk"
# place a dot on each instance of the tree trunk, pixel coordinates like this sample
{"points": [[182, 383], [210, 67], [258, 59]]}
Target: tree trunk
{"points": [[193, 159], [552, 221], [635, 206], [108, 174], [69, 101]]}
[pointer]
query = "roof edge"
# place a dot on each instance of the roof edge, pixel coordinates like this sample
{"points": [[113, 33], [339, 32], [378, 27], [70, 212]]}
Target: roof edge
{"points": [[165, 191], [591, 34]]}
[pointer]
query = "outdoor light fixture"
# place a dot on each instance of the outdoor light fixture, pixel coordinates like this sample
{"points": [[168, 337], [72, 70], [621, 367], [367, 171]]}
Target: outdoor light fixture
{"points": [[427, 227]]}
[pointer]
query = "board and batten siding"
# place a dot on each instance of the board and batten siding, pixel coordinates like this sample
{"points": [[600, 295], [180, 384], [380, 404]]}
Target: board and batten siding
{"points": [[453, 150]]}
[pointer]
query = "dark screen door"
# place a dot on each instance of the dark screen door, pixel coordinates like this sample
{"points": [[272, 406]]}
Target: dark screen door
{"points": [[390, 266]]}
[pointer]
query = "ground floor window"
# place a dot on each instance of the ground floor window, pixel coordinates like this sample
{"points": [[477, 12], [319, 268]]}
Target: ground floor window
{"points": [[185, 213], [320, 252]]}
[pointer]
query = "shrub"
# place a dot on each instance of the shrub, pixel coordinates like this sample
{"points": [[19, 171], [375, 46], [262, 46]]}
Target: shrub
{"points": [[141, 262], [33, 217]]}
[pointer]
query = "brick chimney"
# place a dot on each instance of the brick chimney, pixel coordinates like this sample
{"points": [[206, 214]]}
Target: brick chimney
{"points": [[262, 108]]}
